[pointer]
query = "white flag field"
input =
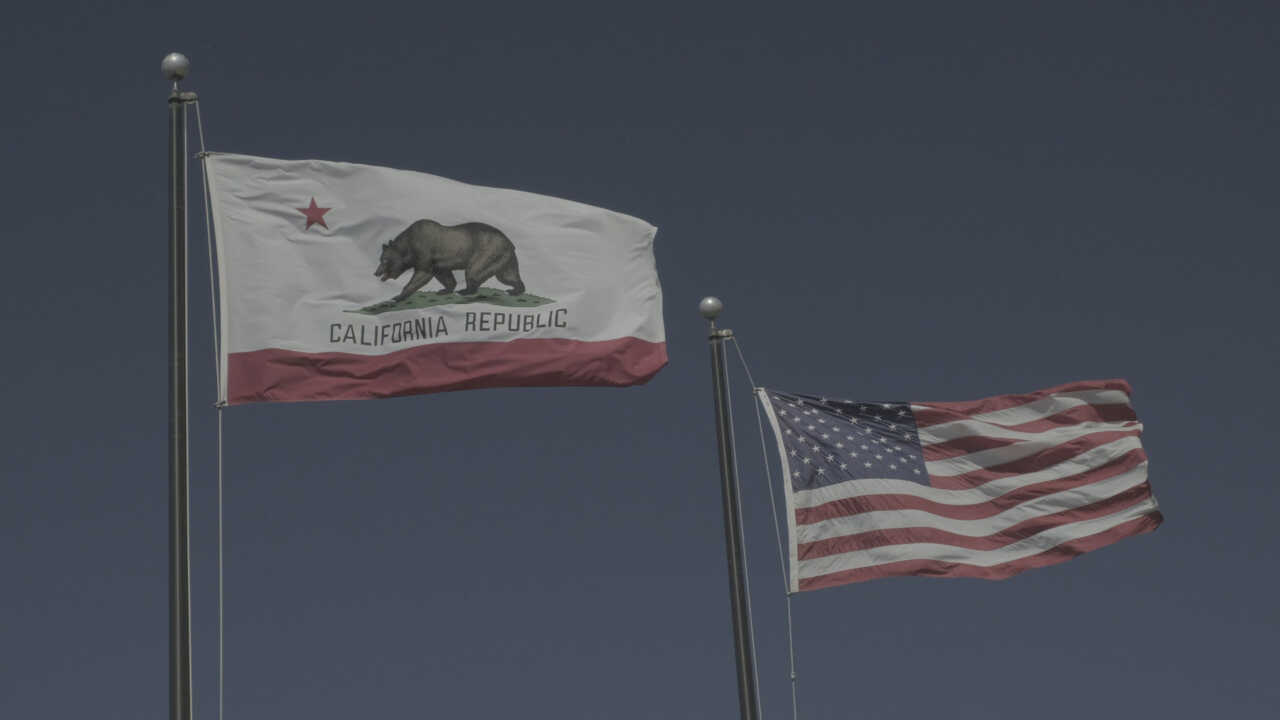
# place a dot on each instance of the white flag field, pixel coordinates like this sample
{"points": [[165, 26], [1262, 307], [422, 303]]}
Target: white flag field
{"points": [[344, 281]]}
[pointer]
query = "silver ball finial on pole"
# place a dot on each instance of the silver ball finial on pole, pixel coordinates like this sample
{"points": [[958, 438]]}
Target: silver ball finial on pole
{"points": [[710, 307], [175, 66]]}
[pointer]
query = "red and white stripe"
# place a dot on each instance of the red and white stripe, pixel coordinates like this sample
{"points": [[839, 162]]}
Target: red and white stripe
{"points": [[274, 375], [1016, 482]]}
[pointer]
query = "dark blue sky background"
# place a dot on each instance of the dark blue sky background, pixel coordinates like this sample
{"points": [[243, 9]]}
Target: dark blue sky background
{"points": [[918, 201]]}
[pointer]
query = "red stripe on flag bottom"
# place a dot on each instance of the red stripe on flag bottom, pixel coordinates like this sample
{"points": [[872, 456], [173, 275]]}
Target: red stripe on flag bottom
{"points": [[1114, 412], [1014, 533], [846, 507], [288, 376], [936, 568]]}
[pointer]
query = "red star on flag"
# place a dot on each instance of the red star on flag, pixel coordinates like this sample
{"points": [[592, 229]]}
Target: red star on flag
{"points": [[315, 215]]}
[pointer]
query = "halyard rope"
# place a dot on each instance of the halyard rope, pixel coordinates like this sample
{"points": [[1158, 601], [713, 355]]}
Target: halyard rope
{"points": [[208, 233], [746, 574], [217, 374], [777, 529]]}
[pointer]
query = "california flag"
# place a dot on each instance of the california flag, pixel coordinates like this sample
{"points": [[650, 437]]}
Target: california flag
{"points": [[342, 281]]}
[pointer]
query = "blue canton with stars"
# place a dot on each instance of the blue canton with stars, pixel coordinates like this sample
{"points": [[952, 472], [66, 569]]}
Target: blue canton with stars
{"points": [[833, 441]]}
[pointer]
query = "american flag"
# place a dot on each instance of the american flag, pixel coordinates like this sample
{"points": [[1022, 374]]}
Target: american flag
{"points": [[983, 489]]}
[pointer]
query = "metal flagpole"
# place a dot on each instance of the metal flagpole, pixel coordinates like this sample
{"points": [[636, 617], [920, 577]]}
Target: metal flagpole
{"points": [[748, 699], [175, 67]]}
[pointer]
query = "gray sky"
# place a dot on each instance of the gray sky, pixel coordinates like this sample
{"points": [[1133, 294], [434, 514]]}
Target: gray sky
{"points": [[933, 201]]}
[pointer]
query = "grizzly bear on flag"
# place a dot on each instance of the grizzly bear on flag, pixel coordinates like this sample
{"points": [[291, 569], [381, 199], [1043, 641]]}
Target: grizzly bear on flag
{"points": [[434, 251]]}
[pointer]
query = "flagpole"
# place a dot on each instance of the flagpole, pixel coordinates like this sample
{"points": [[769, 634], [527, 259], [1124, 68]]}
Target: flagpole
{"points": [[748, 698], [175, 67]]}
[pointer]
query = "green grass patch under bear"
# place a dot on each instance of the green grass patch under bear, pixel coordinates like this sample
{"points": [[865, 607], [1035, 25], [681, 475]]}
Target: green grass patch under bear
{"points": [[483, 296]]}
